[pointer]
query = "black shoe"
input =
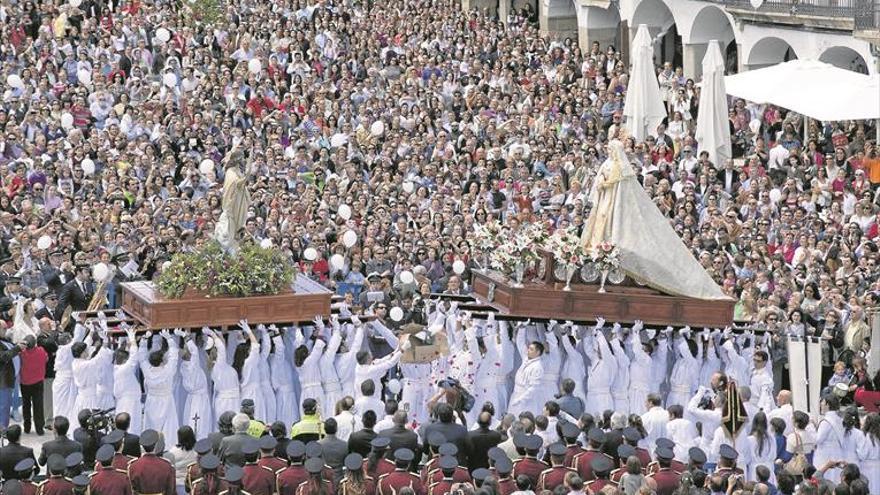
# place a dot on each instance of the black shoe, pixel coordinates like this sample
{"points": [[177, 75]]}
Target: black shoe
{"points": [[40, 433], [27, 429]]}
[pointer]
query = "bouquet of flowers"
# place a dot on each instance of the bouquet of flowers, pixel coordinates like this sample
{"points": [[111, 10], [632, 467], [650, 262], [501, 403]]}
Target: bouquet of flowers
{"points": [[485, 237], [606, 256], [565, 244], [518, 249]]}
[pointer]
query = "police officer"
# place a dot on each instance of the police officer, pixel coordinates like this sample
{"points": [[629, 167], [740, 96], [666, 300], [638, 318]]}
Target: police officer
{"points": [[632, 437], [120, 461], [727, 456], [555, 475], [375, 465], [107, 480], [624, 452], [256, 479], [24, 470], [665, 477], [193, 471], [584, 461], [392, 482], [210, 482], [677, 466], [289, 479], [447, 465], [435, 440], [504, 468], [74, 464], [355, 481], [56, 483], [570, 433], [80, 485], [268, 459], [256, 428], [461, 474], [151, 474], [316, 483], [529, 464], [601, 467]]}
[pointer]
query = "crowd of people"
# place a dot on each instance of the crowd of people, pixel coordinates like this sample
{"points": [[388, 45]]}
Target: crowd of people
{"points": [[425, 120]]}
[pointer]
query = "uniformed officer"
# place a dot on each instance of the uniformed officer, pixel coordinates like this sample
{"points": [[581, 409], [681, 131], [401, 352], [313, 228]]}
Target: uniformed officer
{"points": [[391, 483], [74, 464], [315, 450], [257, 480], [601, 465], [504, 468], [193, 471], [24, 470], [289, 479], [80, 485], [435, 440], [375, 465], [529, 464], [233, 478], [56, 484], [584, 461], [570, 434], [632, 437], [697, 459], [256, 428], [12, 487], [316, 483], [461, 474], [624, 452], [120, 460], [479, 476], [446, 465], [727, 456], [267, 459], [107, 480], [209, 482], [555, 475], [677, 466], [665, 477], [151, 474], [355, 481]]}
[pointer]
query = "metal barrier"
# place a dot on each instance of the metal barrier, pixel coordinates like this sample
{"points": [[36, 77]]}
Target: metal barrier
{"points": [[867, 15], [818, 8]]}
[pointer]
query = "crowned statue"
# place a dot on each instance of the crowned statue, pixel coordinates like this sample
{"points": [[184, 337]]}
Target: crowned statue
{"points": [[236, 200]]}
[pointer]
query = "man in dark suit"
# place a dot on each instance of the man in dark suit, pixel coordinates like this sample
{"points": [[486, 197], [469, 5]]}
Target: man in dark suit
{"points": [[54, 274], [359, 441], [402, 437], [482, 439], [61, 444], [729, 178], [78, 292], [50, 305], [230, 451], [13, 452], [131, 444], [454, 433], [333, 449]]}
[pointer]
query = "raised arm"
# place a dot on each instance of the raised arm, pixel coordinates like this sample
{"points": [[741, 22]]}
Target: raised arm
{"points": [[386, 333]]}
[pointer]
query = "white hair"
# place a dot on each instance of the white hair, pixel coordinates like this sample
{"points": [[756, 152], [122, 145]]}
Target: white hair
{"points": [[240, 422], [618, 421]]}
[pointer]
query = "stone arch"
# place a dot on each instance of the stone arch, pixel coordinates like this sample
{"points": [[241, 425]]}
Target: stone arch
{"points": [[711, 23], [558, 18], [661, 22], [596, 24], [845, 58], [769, 51]]}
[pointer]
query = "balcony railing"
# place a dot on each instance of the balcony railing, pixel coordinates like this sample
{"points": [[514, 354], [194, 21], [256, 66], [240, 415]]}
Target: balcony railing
{"points": [[816, 8], [867, 15]]}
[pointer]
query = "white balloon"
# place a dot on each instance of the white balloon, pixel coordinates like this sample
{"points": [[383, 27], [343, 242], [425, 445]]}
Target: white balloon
{"points": [[394, 386], [163, 35], [344, 212], [207, 166], [84, 77], [349, 238], [408, 186], [14, 81], [170, 79], [88, 166], [310, 254], [44, 242], [100, 271], [338, 140], [396, 313], [377, 128], [337, 261], [266, 243], [458, 267], [166, 265], [255, 66], [66, 120], [406, 277], [775, 195], [74, 3]]}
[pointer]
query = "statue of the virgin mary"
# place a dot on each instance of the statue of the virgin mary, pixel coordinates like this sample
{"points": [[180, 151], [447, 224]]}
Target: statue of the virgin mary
{"points": [[625, 216], [236, 200]]}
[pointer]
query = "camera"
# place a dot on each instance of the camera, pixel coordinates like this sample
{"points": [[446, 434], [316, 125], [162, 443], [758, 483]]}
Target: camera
{"points": [[465, 401], [101, 420]]}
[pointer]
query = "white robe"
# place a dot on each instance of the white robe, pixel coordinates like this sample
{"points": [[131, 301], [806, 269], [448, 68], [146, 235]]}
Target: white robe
{"points": [[197, 401], [286, 402], [869, 462], [761, 385], [227, 394], [507, 355], [684, 374], [527, 383], [766, 457], [267, 392], [574, 368], [552, 365], [310, 375], [64, 386], [620, 387], [736, 366], [640, 374], [160, 410], [684, 433], [251, 387], [347, 361], [374, 371], [710, 419], [329, 378], [127, 389], [603, 367], [710, 365], [741, 444], [829, 444], [659, 365], [655, 421], [86, 373]]}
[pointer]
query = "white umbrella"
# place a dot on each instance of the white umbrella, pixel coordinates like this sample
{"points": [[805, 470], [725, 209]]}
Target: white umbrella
{"points": [[644, 109], [713, 130]]}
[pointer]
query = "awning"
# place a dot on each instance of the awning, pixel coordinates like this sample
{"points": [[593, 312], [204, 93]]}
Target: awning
{"points": [[818, 90]]}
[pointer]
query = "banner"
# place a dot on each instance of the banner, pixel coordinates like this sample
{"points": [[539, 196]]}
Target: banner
{"points": [[797, 373], [814, 374], [874, 356]]}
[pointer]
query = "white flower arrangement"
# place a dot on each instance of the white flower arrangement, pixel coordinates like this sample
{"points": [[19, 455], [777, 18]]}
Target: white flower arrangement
{"points": [[515, 251], [606, 256], [566, 246]]}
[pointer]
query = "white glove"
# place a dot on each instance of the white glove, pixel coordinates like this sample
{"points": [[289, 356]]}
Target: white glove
{"points": [[638, 325], [600, 322], [319, 323], [355, 320], [651, 333]]}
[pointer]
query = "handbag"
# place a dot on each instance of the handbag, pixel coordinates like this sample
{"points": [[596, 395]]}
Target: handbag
{"points": [[796, 465]]}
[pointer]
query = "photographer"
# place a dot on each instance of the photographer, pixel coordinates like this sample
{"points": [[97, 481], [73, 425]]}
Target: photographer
{"points": [[92, 426]]}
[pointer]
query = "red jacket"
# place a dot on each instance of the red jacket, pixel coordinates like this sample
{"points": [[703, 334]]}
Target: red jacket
{"points": [[33, 365]]}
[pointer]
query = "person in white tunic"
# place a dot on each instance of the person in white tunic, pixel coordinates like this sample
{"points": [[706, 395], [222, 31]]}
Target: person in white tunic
{"points": [[709, 418], [347, 361], [286, 401], [603, 367], [267, 392], [64, 386], [309, 365], [761, 382], [86, 372], [762, 448], [711, 363], [552, 366], [735, 365], [250, 374], [160, 410], [197, 410], [830, 434], [528, 383], [227, 396], [869, 452], [327, 364], [620, 387], [640, 368], [660, 362], [486, 381], [126, 388], [574, 367], [681, 431], [654, 420], [685, 372], [374, 369], [507, 355]]}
